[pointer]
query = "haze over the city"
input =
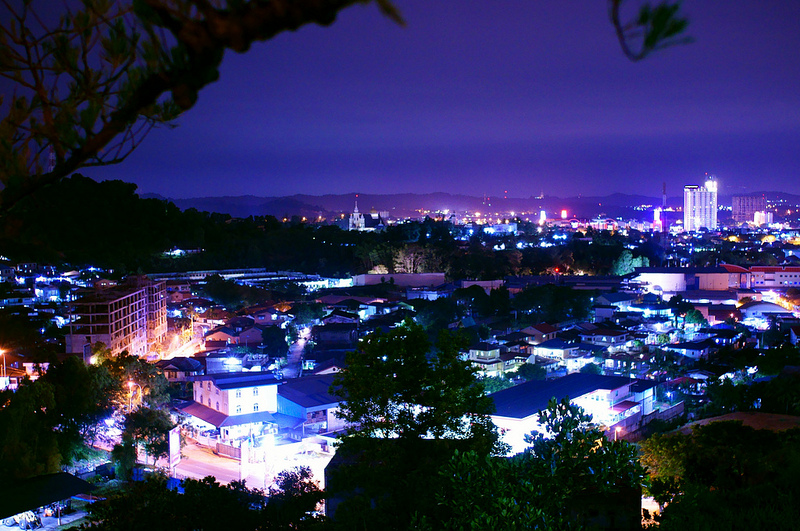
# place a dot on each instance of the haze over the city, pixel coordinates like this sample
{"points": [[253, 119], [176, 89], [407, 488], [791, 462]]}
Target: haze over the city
{"points": [[478, 98]]}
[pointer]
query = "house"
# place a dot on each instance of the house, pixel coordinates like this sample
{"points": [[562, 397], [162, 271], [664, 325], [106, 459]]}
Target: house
{"points": [[557, 349], [609, 399], [644, 393], [268, 315], [238, 404], [692, 349], [540, 333], [618, 300], [180, 369], [236, 334], [762, 310], [604, 337], [222, 333], [340, 316], [335, 335], [485, 357], [431, 294], [307, 407], [321, 359]]}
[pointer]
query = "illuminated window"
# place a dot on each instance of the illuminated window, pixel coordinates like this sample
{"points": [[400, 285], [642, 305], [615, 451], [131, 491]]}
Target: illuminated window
{"points": [[255, 391], [238, 409], [238, 393], [255, 407]]}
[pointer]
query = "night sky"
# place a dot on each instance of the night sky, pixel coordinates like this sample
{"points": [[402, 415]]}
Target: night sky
{"points": [[479, 97]]}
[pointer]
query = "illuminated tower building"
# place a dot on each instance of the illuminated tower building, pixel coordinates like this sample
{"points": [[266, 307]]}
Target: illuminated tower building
{"points": [[700, 205], [356, 219]]}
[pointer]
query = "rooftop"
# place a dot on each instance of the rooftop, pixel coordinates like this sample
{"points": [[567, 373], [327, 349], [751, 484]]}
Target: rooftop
{"points": [[529, 398]]}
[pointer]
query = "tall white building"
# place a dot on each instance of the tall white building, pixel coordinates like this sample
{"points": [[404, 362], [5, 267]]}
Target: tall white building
{"points": [[700, 205]]}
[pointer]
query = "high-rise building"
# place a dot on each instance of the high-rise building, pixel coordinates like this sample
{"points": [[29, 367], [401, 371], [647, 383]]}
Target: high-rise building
{"points": [[744, 207], [131, 317], [700, 205]]}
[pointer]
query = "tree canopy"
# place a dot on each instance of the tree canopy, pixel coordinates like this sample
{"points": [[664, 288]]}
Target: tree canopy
{"points": [[392, 388]]}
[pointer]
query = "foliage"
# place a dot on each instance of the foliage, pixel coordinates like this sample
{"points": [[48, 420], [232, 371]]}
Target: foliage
{"points": [[83, 398], [546, 487], [679, 307], [576, 453], [123, 455], [529, 371], [232, 295], [28, 444], [492, 384], [435, 316], [391, 388], [293, 502], [694, 316], [591, 368], [151, 428], [626, 263], [130, 375], [274, 340], [206, 504], [409, 413], [551, 304], [725, 475], [308, 313]]}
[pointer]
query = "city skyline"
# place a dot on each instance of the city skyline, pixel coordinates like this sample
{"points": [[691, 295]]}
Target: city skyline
{"points": [[519, 97]]}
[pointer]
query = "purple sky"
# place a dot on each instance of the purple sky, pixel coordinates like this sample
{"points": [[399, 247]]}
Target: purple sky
{"points": [[478, 97]]}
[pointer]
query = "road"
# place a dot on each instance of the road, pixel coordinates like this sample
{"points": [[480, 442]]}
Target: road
{"points": [[199, 461], [294, 359]]}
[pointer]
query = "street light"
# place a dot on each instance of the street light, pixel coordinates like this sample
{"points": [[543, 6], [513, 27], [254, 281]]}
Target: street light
{"points": [[3, 353], [131, 383], [616, 432]]}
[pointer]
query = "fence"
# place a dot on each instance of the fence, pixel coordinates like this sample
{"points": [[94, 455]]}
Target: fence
{"points": [[229, 451]]}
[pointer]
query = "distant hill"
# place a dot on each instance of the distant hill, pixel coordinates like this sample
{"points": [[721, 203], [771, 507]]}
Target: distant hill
{"points": [[412, 205]]}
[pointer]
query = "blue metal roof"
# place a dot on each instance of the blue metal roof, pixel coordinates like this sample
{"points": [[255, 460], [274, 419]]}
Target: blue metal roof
{"points": [[527, 399]]}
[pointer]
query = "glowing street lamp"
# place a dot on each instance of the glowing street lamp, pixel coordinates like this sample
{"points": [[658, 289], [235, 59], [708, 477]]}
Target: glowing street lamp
{"points": [[616, 432]]}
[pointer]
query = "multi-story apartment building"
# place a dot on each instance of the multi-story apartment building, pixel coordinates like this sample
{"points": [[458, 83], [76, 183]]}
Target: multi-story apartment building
{"points": [[744, 207], [130, 317], [156, 308], [700, 206]]}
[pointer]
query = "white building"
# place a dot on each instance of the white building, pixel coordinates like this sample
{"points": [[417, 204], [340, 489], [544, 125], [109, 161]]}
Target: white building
{"points": [[700, 206], [613, 401], [238, 404]]}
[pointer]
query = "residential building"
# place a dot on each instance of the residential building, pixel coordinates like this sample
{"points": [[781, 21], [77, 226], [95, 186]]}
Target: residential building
{"points": [[485, 357], [609, 399], [239, 404], [700, 206], [131, 316], [115, 317], [180, 369], [744, 207], [539, 333], [307, 407]]}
